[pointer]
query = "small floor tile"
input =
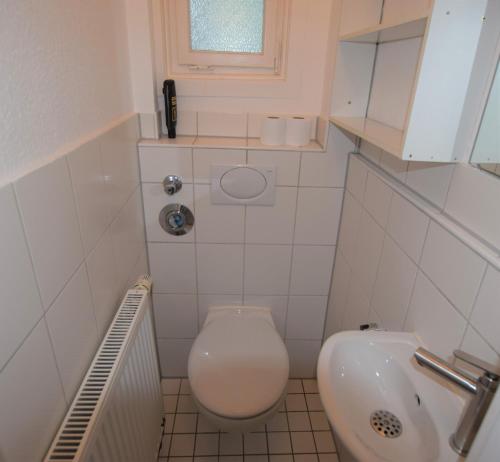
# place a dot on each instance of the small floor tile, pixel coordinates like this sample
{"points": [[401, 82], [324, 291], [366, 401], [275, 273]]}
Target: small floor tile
{"points": [[281, 458], [186, 404], [295, 386], [170, 386], [328, 458], [279, 443], [254, 443], [231, 444], [310, 385], [186, 388], [205, 425], [185, 423], [263, 458], [230, 458], [303, 443], [169, 423], [306, 457], [165, 445], [296, 403], [298, 421], [180, 459], [314, 402], [206, 459], [324, 442], [278, 423], [319, 421], [170, 403], [207, 444], [182, 445]]}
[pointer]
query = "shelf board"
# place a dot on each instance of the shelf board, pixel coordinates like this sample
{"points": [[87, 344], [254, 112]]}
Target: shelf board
{"points": [[389, 139], [381, 33]]}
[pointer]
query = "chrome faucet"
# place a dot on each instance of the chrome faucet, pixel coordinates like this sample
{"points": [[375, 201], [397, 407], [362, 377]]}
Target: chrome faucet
{"points": [[483, 390]]}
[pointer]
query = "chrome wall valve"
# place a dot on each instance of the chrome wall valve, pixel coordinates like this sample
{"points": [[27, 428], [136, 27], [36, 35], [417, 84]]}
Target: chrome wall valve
{"points": [[172, 184]]}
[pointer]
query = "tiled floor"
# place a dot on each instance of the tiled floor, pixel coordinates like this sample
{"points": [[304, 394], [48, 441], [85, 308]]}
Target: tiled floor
{"points": [[298, 433]]}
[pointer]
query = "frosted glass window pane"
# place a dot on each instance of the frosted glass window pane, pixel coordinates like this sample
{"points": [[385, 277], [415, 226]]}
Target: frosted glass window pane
{"points": [[234, 26]]}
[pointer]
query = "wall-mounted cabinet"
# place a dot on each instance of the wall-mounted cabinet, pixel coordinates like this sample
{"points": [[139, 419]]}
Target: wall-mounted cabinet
{"points": [[402, 72]]}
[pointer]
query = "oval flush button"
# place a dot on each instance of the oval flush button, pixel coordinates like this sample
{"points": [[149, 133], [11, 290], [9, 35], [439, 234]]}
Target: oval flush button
{"points": [[243, 183]]}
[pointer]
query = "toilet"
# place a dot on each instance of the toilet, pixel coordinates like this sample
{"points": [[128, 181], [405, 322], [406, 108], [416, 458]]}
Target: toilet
{"points": [[238, 367]]}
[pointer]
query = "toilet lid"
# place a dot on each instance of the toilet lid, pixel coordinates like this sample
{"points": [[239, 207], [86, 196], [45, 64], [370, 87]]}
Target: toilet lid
{"points": [[238, 367]]}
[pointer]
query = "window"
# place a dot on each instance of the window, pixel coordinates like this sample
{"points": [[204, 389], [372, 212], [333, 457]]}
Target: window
{"points": [[226, 36]]}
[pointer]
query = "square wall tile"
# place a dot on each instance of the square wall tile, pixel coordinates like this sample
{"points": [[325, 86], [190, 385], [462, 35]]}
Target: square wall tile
{"points": [[472, 197], [318, 215], [173, 268], [286, 162], [357, 173], [174, 354], [486, 314], [369, 249], [431, 180], [306, 317], [73, 331], [127, 234], [394, 285], [311, 269], [222, 124], [104, 282], [206, 301], [205, 157], [120, 163], [273, 224], [21, 305], [175, 315], [338, 295], [434, 319], [155, 199], [48, 210], [89, 186], [278, 305], [474, 344], [220, 268], [187, 123], [303, 357], [357, 306], [327, 169], [408, 226], [349, 227], [453, 267], [267, 269], [219, 224], [159, 162], [32, 402], [377, 199]]}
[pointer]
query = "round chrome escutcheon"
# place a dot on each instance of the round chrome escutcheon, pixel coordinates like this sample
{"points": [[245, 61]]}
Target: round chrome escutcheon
{"points": [[176, 219]]}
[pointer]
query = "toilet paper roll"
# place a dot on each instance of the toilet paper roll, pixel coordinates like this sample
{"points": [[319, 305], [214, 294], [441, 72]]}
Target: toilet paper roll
{"points": [[298, 131], [273, 130]]}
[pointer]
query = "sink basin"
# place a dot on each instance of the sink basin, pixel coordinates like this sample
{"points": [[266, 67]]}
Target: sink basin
{"points": [[381, 404]]}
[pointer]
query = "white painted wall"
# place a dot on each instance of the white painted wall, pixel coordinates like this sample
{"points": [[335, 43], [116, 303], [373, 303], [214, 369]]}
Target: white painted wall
{"points": [[64, 69]]}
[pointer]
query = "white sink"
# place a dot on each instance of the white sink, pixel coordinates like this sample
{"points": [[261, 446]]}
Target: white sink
{"points": [[363, 372]]}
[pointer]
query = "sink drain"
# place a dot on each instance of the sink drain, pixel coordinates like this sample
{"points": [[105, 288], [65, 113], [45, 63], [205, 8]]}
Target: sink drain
{"points": [[386, 424]]}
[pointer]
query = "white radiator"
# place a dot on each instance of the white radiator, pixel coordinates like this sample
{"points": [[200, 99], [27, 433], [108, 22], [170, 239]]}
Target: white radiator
{"points": [[116, 415]]}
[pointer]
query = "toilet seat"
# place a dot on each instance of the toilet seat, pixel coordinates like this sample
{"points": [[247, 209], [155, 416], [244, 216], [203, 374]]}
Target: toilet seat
{"points": [[238, 365]]}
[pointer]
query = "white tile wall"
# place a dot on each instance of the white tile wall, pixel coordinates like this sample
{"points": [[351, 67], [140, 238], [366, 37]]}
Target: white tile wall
{"points": [[427, 279], [60, 295], [21, 305], [49, 214], [222, 124], [244, 254], [159, 161], [73, 308]]}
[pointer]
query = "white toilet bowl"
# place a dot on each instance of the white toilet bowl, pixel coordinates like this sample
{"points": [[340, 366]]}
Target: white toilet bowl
{"points": [[238, 367]]}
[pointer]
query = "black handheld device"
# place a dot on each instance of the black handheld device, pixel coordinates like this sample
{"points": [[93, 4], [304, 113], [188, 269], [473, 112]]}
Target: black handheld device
{"points": [[170, 107]]}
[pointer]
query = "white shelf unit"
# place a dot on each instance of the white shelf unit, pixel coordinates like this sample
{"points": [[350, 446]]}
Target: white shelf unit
{"points": [[402, 73]]}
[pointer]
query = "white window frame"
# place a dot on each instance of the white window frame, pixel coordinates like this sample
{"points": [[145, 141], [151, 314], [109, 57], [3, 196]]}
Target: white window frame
{"points": [[183, 61]]}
